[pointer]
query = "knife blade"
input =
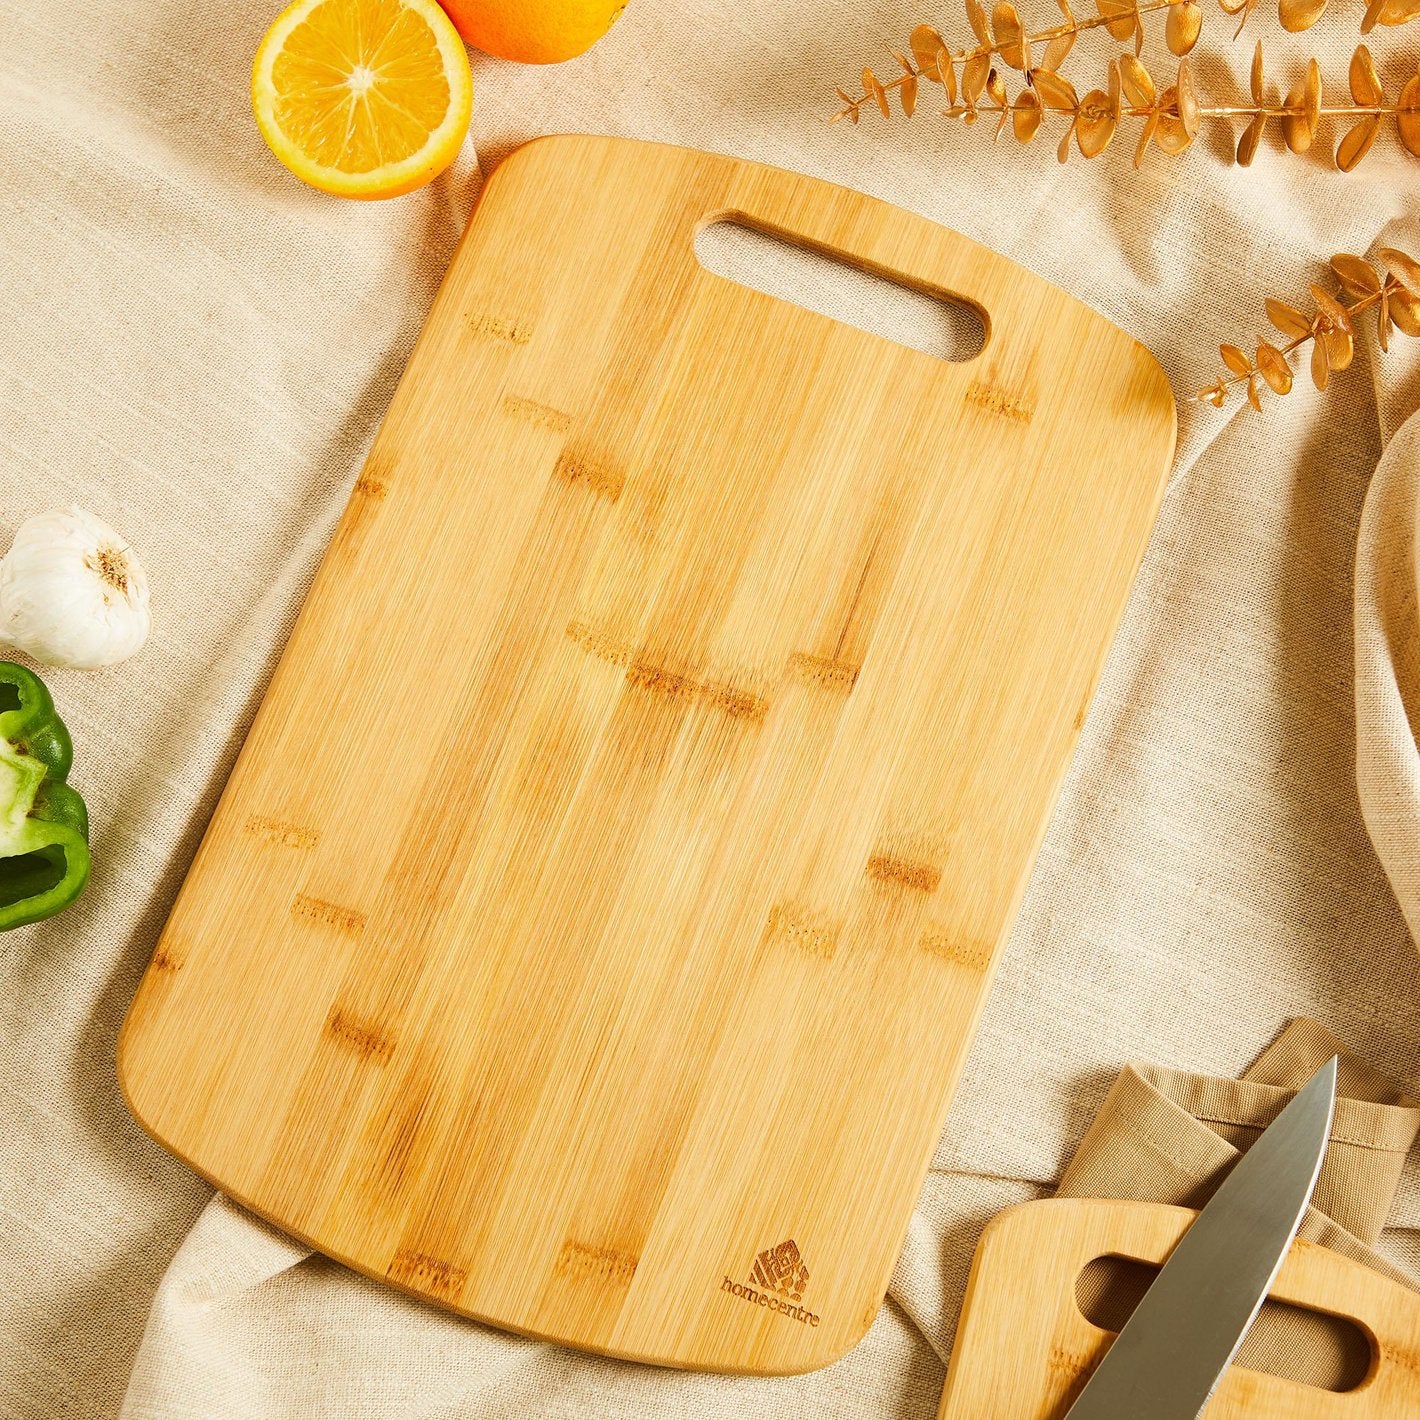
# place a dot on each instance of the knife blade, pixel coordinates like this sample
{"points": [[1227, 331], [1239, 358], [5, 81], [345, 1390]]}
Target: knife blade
{"points": [[1173, 1351]]}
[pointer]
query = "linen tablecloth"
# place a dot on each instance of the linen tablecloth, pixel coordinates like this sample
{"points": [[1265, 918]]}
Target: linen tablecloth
{"points": [[198, 349]]}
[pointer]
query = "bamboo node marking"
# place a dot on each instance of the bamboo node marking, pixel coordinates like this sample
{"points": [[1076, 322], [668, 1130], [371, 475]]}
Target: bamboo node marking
{"points": [[371, 487], [646, 675], [599, 643], [329, 914], [737, 703], [794, 929], [823, 671], [363, 1037], [1068, 1362], [996, 401], [732, 700], [1394, 1353], [281, 832], [427, 1274], [582, 473], [976, 956], [531, 412], [905, 872], [165, 960], [515, 332], [578, 1259]]}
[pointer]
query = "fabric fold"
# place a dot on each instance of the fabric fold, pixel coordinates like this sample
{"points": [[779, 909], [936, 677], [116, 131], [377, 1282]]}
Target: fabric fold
{"points": [[1387, 631]]}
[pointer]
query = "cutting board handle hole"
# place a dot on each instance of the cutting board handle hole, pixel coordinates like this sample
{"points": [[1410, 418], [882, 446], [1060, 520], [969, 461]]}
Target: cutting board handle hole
{"points": [[838, 287], [1296, 1343]]}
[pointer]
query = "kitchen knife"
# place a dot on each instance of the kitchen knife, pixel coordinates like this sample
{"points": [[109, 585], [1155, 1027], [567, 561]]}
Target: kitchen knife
{"points": [[1182, 1337]]}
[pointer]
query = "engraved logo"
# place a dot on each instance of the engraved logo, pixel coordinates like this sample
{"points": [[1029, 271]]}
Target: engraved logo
{"points": [[782, 1270], [779, 1277]]}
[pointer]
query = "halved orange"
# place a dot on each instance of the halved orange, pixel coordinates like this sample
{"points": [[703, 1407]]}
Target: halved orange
{"points": [[364, 98]]}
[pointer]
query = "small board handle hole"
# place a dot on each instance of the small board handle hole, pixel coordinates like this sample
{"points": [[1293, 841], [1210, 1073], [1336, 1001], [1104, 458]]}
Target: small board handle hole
{"points": [[1296, 1343], [833, 286]]}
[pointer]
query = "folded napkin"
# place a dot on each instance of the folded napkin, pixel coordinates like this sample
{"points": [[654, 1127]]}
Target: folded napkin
{"points": [[1387, 631], [1167, 1136]]}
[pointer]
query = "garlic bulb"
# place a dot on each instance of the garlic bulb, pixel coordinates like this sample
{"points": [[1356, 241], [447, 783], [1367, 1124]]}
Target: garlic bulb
{"points": [[72, 593]]}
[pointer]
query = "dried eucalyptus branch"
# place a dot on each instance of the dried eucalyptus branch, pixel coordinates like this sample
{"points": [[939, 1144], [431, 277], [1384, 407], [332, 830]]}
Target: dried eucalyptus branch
{"points": [[1172, 118], [1302, 111], [1298, 15], [1002, 34], [1394, 295]]}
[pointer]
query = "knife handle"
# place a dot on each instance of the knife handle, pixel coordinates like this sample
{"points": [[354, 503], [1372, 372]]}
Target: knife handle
{"points": [[1024, 1350]]}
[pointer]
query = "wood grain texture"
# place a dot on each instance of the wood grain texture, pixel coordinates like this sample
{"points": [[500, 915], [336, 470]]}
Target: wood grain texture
{"points": [[609, 885], [1023, 1349]]}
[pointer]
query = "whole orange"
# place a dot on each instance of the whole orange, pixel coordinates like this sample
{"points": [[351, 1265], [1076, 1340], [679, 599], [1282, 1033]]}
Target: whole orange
{"points": [[533, 31]]}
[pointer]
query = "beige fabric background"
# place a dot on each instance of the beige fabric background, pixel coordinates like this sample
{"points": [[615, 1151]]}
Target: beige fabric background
{"points": [[198, 349]]}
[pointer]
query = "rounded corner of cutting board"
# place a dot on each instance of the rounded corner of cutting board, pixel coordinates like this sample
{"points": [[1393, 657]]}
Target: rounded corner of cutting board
{"points": [[548, 150], [1141, 397], [831, 1354], [130, 1072], [548, 144], [1160, 397]]}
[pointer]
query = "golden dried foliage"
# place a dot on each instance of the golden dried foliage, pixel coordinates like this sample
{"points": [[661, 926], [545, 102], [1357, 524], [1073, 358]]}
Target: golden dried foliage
{"points": [[1298, 15], [1169, 118], [1001, 35], [1392, 291]]}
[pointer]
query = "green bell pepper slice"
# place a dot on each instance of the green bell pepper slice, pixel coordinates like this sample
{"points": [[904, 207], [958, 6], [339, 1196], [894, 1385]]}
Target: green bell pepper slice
{"points": [[44, 826]]}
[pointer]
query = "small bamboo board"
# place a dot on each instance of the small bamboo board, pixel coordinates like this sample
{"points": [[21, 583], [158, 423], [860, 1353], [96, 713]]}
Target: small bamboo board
{"points": [[1023, 1349], [592, 930]]}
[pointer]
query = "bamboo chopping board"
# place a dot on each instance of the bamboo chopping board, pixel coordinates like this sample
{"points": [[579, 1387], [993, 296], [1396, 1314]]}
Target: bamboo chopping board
{"points": [[1023, 1349], [592, 931]]}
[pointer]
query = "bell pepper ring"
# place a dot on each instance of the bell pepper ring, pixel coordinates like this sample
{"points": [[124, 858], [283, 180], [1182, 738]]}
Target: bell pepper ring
{"points": [[44, 825]]}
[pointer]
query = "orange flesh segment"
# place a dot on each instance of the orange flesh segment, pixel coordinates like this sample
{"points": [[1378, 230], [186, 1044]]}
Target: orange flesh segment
{"points": [[360, 85]]}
